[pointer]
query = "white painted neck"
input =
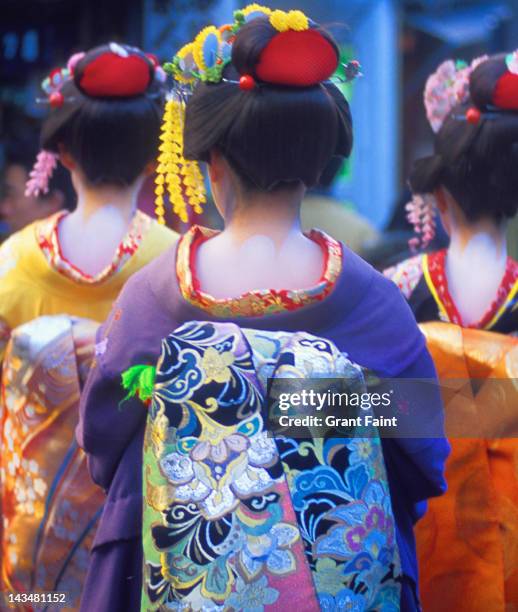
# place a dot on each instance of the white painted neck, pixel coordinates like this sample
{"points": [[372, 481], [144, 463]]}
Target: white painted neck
{"points": [[90, 235], [261, 247], [475, 266]]}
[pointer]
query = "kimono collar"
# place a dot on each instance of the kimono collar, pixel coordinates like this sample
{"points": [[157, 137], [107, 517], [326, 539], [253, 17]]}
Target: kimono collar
{"points": [[258, 302]]}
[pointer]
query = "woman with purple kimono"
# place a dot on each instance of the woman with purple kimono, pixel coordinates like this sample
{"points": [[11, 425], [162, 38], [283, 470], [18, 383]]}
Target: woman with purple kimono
{"points": [[264, 115]]}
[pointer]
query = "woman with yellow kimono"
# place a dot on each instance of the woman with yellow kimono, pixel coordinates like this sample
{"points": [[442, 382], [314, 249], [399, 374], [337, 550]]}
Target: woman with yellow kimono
{"points": [[103, 126], [468, 540], [36, 279]]}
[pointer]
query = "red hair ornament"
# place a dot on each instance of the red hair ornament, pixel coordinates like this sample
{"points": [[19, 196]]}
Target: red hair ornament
{"points": [[473, 115], [247, 82], [56, 99], [116, 74], [297, 59], [505, 95]]}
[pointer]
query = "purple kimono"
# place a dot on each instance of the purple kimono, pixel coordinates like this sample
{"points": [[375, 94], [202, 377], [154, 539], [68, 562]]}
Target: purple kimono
{"points": [[364, 316]]}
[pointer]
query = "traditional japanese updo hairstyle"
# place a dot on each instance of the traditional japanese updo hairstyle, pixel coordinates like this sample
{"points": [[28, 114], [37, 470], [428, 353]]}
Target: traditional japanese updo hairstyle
{"points": [[474, 111], [105, 111], [275, 115]]}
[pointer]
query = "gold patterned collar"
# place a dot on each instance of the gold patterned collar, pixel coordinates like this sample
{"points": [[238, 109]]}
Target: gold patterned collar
{"points": [[48, 240], [258, 302]]}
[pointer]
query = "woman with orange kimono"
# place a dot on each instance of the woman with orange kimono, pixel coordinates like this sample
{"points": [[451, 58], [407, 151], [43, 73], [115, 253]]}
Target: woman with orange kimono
{"points": [[103, 126], [471, 182], [468, 541]]}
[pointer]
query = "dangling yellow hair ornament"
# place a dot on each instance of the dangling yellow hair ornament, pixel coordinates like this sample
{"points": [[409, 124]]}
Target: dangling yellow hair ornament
{"points": [[203, 59], [181, 178]]}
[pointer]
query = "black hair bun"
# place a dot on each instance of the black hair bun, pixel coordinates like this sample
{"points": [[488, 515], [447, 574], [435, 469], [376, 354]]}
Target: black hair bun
{"points": [[476, 161], [484, 79], [109, 121], [276, 134]]}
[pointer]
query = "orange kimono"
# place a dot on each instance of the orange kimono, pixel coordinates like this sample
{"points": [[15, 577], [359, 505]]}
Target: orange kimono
{"points": [[467, 542]]}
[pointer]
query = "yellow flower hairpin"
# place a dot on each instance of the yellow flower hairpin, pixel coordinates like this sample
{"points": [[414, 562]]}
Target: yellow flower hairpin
{"points": [[186, 64], [291, 20], [205, 48], [255, 10]]}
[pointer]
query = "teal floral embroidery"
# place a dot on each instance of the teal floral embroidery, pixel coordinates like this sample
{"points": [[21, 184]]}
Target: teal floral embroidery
{"points": [[329, 576], [363, 526], [252, 597], [344, 601], [362, 450], [361, 539], [270, 550]]}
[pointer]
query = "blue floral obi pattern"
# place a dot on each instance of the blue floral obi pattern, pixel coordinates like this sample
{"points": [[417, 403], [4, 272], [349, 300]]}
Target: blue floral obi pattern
{"points": [[235, 519]]}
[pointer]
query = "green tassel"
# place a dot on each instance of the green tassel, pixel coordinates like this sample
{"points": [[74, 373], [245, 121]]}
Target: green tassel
{"points": [[139, 380], [147, 383]]}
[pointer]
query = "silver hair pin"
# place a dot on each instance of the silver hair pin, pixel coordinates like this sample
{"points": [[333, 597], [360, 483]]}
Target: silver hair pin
{"points": [[352, 71], [47, 100]]}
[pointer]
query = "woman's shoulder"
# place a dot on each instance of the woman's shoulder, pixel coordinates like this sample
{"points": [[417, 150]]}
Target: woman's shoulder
{"points": [[142, 291], [406, 274], [138, 320], [11, 251], [364, 283], [378, 322], [16, 246], [156, 238], [19, 258], [21, 265]]}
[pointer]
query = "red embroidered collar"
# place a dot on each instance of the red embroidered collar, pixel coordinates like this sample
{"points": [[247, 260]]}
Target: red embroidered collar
{"points": [[434, 269], [48, 241], [260, 302]]}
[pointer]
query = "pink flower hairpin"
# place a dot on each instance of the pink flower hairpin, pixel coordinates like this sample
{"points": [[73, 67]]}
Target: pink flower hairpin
{"points": [[447, 87], [46, 161], [41, 173], [421, 214]]}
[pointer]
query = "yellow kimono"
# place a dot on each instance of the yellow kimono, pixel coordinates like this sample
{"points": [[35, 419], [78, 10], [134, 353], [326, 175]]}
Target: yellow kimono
{"points": [[35, 278], [49, 505]]}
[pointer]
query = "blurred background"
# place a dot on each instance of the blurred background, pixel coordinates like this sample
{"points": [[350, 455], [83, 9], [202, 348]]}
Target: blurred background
{"points": [[398, 44]]}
